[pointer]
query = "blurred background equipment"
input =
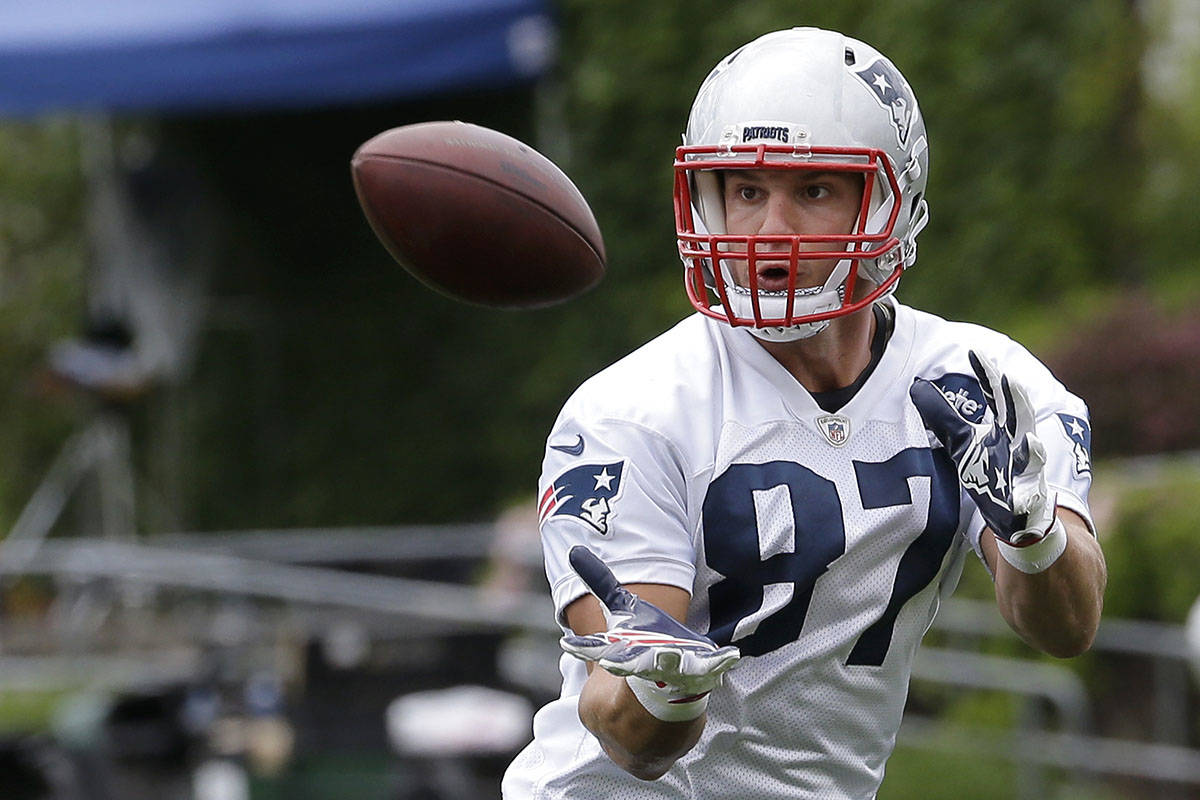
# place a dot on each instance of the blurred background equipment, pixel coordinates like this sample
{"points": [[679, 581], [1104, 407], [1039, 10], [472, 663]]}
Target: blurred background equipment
{"points": [[458, 740], [198, 334]]}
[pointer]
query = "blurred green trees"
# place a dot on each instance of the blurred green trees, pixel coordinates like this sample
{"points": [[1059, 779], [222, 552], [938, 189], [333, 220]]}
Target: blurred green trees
{"points": [[1030, 110], [42, 253], [330, 388]]}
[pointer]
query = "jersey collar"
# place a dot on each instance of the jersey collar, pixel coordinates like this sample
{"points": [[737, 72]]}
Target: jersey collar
{"points": [[866, 402]]}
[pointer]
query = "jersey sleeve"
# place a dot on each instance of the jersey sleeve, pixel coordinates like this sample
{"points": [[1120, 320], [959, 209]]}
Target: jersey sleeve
{"points": [[620, 490], [1063, 426]]}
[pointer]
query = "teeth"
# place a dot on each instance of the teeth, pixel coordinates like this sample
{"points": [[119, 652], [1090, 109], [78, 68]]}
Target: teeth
{"points": [[800, 291]]}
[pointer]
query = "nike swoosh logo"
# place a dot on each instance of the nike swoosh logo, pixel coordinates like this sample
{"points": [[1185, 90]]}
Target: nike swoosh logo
{"points": [[575, 449]]}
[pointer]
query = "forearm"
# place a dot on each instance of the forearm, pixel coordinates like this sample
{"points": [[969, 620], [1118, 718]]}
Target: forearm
{"points": [[639, 743], [1056, 611]]}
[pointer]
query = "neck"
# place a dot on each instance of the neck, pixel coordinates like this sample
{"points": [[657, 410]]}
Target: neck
{"points": [[833, 358]]}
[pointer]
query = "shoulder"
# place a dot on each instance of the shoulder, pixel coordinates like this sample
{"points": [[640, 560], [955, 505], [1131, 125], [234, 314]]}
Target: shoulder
{"points": [[655, 408], [648, 387], [940, 339], [941, 347]]}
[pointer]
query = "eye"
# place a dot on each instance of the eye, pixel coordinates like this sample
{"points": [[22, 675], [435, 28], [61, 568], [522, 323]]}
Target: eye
{"points": [[816, 191], [748, 193]]}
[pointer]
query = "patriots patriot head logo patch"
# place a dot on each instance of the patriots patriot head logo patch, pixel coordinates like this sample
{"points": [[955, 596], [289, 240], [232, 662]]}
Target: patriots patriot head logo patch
{"points": [[963, 393], [892, 92], [586, 493], [1079, 433]]}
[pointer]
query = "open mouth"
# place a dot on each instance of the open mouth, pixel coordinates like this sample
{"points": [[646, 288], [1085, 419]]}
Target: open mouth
{"points": [[773, 278]]}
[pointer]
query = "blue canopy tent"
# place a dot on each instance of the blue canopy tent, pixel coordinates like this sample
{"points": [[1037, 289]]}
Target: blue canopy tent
{"points": [[205, 55]]}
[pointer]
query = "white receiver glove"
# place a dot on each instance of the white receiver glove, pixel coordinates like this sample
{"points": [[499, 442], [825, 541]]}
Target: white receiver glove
{"points": [[669, 667], [1002, 466]]}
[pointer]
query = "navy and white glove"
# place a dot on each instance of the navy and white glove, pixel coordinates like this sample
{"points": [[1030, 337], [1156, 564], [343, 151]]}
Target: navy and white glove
{"points": [[1001, 465], [670, 668]]}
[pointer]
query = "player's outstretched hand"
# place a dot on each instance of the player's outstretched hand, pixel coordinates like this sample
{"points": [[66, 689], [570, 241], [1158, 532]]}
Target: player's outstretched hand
{"points": [[1002, 465], [642, 640]]}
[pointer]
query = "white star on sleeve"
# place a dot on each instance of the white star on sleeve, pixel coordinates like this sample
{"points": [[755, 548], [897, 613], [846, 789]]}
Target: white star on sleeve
{"points": [[604, 480], [1076, 428]]}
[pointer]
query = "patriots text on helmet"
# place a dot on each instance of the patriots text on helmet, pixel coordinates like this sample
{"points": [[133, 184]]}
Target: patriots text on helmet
{"points": [[777, 133]]}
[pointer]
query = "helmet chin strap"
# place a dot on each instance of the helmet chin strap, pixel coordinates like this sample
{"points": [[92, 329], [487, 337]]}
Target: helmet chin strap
{"points": [[813, 300]]}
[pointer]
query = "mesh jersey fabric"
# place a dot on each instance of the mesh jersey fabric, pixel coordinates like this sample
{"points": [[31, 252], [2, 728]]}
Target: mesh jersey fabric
{"points": [[825, 562]]}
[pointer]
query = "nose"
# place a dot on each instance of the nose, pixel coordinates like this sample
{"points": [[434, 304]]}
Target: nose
{"points": [[779, 217]]}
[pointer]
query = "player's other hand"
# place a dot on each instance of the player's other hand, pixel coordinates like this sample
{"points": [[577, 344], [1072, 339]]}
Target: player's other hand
{"points": [[642, 640], [1001, 465]]}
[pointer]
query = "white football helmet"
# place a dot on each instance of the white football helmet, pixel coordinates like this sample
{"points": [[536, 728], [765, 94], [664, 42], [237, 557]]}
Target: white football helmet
{"points": [[804, 99]]}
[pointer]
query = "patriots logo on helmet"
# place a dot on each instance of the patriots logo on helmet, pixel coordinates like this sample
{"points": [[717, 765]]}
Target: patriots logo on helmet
{"points": [[892, 92], [586, 493], [963, 393], [1079, 433]]}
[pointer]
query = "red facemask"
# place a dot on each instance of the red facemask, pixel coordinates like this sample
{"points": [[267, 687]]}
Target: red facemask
{"points": [[702, 252]]}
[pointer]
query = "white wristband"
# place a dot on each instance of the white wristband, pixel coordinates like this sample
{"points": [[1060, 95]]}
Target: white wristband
{"points": [[665, 703], [1036, 557]]}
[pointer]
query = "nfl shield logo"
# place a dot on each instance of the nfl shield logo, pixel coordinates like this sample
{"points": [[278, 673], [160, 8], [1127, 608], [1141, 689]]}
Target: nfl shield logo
{"points": [[835, 427]]}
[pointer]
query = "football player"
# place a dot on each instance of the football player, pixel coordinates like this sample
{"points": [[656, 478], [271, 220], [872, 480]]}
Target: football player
{"points": [[749, 522]]}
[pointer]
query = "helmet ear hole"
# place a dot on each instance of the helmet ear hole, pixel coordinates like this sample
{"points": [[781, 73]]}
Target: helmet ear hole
{"points": [[710, 200], [850, 59]]}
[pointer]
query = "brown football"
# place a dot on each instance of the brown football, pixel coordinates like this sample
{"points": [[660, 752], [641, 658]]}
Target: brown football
{"points": [[477, 215]]}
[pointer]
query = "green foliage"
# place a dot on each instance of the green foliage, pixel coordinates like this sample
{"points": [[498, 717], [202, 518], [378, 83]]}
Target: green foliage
{"points": [[366, 776], [1151, 542], [28, 711], [345, 392], [41, 294], [924, 775], [1170, 128], [331, 388], [1028, 106]]}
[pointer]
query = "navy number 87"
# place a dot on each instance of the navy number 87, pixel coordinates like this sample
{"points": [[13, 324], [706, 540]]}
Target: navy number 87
{"points": [[761, 603]]}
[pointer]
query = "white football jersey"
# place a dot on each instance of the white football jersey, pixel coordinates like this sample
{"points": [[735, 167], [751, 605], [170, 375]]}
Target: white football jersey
{"points": [[819, 543]]}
